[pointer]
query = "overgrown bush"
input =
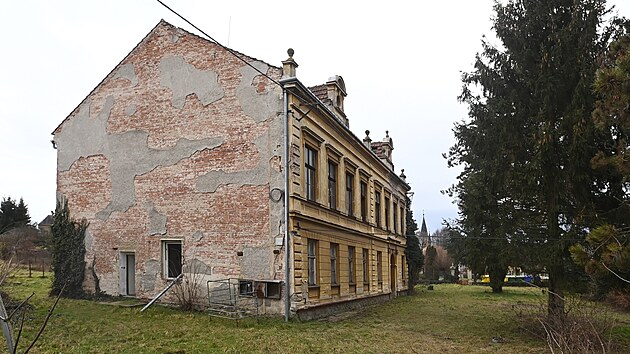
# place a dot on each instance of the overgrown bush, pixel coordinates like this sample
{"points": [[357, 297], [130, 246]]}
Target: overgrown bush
{"points": [[620, 299], [67, 248], [585, 326], [188, 290]]}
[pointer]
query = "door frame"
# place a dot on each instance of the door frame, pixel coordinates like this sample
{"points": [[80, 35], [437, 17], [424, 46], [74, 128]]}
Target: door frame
{"points": [[124, 273]]}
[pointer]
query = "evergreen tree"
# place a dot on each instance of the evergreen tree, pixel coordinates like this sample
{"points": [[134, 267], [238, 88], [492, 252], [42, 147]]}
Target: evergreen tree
{"points": [[415, 259], [67, 248], [13, 215], [606, 254], [527, 146]]}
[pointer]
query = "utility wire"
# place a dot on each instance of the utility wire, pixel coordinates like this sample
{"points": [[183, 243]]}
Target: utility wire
{"points": [[240, 57], [328, 232]]}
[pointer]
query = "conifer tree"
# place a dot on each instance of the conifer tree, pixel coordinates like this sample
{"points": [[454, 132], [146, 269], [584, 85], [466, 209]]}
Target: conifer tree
{"points": [[67, 248], [415, 259], [13, 215], [527, 145]]}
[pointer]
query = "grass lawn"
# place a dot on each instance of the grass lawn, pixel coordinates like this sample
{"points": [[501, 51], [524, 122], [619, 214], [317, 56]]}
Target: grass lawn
{"points": [[448, 319]]}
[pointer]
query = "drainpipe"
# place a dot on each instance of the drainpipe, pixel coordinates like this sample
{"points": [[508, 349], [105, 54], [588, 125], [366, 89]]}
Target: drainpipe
{"points": [[287, 238]]}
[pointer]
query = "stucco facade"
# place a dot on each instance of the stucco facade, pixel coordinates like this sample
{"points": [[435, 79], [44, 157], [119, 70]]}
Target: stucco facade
{"points": [[176, 159]]}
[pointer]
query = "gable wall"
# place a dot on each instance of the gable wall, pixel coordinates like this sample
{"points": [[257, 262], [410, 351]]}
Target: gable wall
{"points": [[181, 141]]}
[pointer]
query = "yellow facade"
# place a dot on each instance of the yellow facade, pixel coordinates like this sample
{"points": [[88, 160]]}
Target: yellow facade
{"points": [[342, 195]]}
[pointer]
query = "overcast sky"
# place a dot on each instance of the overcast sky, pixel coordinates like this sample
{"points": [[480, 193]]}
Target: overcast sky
{"points": [[401, 62]]}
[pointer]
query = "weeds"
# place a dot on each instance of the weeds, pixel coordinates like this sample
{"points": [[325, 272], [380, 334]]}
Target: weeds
{"points": [[585, 327]]}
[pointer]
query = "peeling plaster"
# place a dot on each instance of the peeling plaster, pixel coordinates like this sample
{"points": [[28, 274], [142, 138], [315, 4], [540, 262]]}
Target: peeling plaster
{"points": [[256, 262], [157, 221], [150, 275], [197, 236], [184, 79], [197, 267], [128, 153], [127, 71], [258, 106], [88, 239], [131, 109]]}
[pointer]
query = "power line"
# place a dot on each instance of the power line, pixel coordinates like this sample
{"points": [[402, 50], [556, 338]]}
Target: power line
{"points": [[220, 45], [240, 57]]}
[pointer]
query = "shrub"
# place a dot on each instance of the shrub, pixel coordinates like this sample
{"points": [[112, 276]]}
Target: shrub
{"points": [[67, 248]]}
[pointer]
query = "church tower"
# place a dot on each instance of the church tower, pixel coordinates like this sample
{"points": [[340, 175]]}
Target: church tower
{"points": [[425, 240]]}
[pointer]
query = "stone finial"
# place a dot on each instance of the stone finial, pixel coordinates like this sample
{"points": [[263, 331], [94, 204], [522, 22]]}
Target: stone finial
{"points": [[289, 65], [367, 141]]}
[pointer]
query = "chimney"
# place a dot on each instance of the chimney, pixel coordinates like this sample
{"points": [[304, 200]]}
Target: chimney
{"points": [[383, 150], [289, 65]]}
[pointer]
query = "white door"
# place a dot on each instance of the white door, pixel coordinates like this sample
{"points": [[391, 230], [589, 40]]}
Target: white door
{"points": [[127, 274]]}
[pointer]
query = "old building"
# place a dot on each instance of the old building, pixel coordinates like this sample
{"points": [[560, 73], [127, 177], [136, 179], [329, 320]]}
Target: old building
{"points": [[177, 161]]}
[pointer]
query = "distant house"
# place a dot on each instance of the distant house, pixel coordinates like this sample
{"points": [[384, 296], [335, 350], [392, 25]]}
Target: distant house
{"points": [[45, 226], [177, 158]]}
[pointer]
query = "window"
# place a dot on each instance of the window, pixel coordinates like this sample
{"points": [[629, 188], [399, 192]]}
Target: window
{"points": [[246, 287], [366, 254], [386, 213], [334, 250], [312, 262], [351, 262], [172, 256], [377, 207], [395, 218], [310, 165], [363, 201], [379, 266], [403, 267], [332, 185], [349, 193], [402, 220]]}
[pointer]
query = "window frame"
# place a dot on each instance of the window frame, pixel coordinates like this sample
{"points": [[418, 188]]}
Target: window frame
{"points": [[377, 208], [310, 172], [403, 225], [334, 264], [350, 193], [333, 168], [379, 266], [352, 265], [395, 216], [311, 265], [167, 270], [366, 266], [386, 216], [363, 191]]}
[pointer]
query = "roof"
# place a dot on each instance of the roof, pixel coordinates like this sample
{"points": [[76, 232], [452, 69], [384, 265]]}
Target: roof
{"points": [[48, 220], [378, 148], [423, 229], [321, 92]]}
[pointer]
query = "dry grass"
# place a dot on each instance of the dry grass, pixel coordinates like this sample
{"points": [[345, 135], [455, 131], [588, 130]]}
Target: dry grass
{"points": [[449, 319]]}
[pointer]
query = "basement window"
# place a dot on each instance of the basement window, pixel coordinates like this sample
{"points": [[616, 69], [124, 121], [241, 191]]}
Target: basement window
{"points": [[172, 257], [246, 287]]}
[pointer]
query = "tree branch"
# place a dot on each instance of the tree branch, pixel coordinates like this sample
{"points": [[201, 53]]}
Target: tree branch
{"points": [[50, 312]]}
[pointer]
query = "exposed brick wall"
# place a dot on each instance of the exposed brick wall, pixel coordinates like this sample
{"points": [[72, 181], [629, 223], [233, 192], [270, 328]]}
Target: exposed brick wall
{"points": [[226, 127]]}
